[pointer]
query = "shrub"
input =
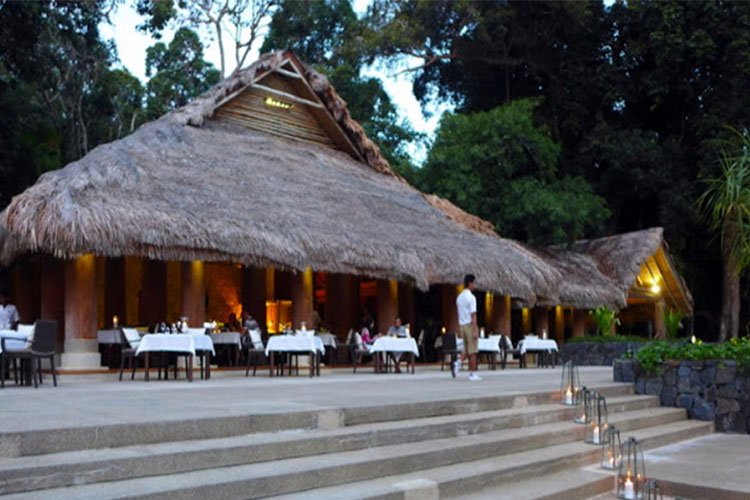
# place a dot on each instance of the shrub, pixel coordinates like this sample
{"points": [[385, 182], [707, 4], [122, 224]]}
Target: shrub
{"points": [[605, 320], [653, 355], [672, 323], [608, 338]]}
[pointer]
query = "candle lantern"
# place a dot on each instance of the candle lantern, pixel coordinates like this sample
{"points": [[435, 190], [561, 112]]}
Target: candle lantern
{"points": [[611, 449], [570, 384], [583, 406], [631, 476], [115, 322], [597, 425], [653, 490]]}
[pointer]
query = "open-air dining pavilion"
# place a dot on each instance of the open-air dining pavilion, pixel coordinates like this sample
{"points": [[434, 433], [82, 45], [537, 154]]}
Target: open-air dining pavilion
{"points": [[263, 195]]}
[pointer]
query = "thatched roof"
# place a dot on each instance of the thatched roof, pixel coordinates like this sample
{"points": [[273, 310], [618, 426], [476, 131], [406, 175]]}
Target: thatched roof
{"points": [[187, 187], [612, 270]]}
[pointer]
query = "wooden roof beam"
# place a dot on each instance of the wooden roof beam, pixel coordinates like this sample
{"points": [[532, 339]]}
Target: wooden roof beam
{"points": [[287, 96]]}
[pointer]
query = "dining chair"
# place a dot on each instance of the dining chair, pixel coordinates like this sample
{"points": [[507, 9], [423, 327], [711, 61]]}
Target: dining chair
{"points": [[41, 346]]}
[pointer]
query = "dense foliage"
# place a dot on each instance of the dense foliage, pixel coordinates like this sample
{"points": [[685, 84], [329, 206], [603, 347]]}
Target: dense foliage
{"points": [[502, 166], [652, 356]]}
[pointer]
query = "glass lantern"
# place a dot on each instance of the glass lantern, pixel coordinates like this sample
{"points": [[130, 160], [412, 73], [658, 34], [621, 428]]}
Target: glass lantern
{"points": [[631, 476], [570, 384], [653, 490], [611, 449], [598, 424], [583, 407]]}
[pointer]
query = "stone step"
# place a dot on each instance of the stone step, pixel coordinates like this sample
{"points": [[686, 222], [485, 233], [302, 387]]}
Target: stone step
{"points": [[309, 472], [89, 466], [563, 485], [490, 477], [45, 441]]}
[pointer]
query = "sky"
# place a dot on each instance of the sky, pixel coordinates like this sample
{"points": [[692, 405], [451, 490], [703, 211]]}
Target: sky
{"points": [[132, 44]]}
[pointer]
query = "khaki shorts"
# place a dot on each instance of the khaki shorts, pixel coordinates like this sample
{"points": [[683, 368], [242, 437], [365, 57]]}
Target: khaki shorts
{"points": [[470, 341]]}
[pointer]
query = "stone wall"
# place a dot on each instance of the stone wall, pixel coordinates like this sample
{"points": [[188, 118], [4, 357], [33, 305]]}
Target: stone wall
{"points": [[708, 390], [596, 353]]}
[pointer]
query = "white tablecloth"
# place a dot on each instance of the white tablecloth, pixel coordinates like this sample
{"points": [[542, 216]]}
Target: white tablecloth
{"points": [[394, 344], [489, 344], [328, 339], [536, 344], [294, 343], [14, 339], [164, 342], [231, 338]]}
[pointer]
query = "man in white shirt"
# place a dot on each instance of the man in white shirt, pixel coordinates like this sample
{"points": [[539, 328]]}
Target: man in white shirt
{"points": [[466, 303], [8, 313]]}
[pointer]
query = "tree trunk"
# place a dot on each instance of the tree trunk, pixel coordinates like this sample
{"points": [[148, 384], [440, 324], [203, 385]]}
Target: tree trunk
{"points": [[730, 303]]}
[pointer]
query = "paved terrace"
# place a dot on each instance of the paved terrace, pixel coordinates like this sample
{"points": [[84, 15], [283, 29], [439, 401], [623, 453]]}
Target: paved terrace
{"points": [[91, 400]]}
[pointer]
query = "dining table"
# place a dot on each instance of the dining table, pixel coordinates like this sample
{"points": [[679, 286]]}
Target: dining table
{"points": [[394, 346], [299, 344], [185, 344], [15, 340]]}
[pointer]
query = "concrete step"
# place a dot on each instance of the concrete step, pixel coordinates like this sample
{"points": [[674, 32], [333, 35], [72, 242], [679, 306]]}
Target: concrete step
{"points": [[514, 473], [564, 485], [89, 466], [541, 445], [45, 441]]}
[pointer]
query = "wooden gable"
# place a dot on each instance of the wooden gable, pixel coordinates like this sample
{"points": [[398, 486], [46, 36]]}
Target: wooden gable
{"points": [[659, 279], [282, 103]]}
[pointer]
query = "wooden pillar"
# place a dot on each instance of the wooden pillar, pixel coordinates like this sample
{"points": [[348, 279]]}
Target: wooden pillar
{"points": [[152, 305], [500, 322], [254, 292], [81, 349], [114, 291], [302, 298], [541, 320], [387, 304], [53, 294], [448, 294], [340, 308], [579, 322], [559, 325], [660, 331], [406, 306], [194, 292]]}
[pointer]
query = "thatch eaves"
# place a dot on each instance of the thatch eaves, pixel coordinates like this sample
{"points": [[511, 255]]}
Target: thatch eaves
{"points": [[176, 191], [630, 261]]}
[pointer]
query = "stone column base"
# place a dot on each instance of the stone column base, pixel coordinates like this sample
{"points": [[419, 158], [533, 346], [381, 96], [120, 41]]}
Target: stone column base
{"points": [[81, 354]]}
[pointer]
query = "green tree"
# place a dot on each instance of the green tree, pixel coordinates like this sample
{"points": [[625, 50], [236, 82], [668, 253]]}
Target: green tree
{"points": [[56, 90], [328, 35], [726, 208], [177, 73], [501, 166]]}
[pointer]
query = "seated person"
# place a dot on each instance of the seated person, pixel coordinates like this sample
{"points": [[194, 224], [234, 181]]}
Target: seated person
{"points": [[248, 322], [397, 330], [364, 333], [232, 325]]}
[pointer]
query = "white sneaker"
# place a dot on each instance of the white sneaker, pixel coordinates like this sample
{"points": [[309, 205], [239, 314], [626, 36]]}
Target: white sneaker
{"points": [[455, 368], [474, 377]]}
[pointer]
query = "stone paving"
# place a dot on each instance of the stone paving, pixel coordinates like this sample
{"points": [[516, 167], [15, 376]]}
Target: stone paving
{"points": [[82, 400]]}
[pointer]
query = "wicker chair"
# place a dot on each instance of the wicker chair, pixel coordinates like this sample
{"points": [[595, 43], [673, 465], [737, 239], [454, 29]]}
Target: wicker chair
{"points": [[450, 348], [130, 339], [42, 346], [252, 343]]}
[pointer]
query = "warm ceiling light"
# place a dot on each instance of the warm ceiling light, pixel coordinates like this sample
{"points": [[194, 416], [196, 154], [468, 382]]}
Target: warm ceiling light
{"points": [[655, 289], [274, 103]]}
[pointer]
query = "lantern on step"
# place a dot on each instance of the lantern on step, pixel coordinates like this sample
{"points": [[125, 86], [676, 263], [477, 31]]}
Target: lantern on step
{"points": [[570, 384], [611, 449], [582, 413], [631, 476], [598, 424], [653, 490]]}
